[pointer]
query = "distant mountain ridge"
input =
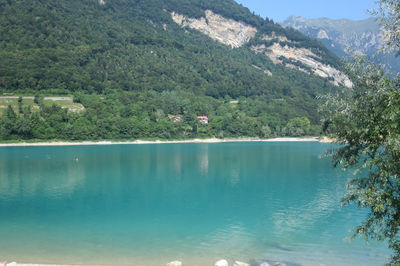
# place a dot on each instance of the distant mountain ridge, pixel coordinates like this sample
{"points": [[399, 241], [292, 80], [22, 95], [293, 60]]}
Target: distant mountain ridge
{"points": [[345, 37]]}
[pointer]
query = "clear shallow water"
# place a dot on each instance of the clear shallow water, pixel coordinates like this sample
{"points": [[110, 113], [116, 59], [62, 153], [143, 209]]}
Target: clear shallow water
{"points": [[150, 204]]}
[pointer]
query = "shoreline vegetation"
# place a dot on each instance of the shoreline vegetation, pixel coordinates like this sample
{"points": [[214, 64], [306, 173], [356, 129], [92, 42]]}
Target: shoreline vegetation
{"points": [[208, 140]]}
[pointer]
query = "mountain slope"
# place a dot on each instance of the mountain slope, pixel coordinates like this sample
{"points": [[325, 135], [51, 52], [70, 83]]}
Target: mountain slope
{"points": [[345, 37], [150, 50], [45, 39]]}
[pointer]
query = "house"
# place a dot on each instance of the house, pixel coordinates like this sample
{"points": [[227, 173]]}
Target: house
{"points": [[203, 119], [175, 118]]}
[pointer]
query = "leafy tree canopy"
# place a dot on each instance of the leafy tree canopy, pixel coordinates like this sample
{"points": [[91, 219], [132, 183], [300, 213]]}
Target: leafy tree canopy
{"points": [[366, 122]]}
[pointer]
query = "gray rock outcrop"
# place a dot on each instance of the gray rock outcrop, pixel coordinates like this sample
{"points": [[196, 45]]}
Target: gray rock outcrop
{"points": [[223, 30], [221, 263], [236, 34]]}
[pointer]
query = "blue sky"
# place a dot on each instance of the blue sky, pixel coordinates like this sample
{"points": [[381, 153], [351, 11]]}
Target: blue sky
{"points": [[279, 10]]}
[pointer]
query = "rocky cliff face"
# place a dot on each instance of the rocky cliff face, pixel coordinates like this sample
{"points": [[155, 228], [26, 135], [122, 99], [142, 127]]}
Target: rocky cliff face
{"points": [[236, 34], [346, 37], [307, 58], [226, 31]]}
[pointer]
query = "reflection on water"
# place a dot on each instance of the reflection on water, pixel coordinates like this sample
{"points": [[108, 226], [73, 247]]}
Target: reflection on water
{"points": [[21, 177], [149, 204], [177, 163], [203, 159], [234, 176]]}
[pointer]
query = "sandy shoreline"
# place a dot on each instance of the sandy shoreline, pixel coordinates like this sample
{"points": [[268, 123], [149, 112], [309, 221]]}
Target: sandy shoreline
{"points": [[210, 140], [24, 264]]}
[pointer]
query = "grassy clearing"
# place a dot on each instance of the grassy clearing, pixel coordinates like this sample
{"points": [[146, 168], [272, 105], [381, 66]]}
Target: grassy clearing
{"points": [[71, 106]]}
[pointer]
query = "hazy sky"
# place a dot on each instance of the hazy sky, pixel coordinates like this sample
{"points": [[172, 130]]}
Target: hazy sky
{"points": [[279, 10]]}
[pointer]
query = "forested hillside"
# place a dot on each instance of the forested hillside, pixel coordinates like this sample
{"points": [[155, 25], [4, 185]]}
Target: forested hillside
{"points": [[132, 67]]}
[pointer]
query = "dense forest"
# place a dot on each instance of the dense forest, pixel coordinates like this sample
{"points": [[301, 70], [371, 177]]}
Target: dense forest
{"points": [[132, 115], [132, 67]]}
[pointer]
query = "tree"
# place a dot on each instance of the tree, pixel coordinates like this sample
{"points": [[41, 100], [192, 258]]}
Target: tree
{"points": [[266, 131], [7, 123], [366, 122], [298, 126], [389, 16], [20, 110]]}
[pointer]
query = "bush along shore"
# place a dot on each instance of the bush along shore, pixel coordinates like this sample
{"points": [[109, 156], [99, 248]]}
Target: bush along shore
{"points": [[148, 115]]}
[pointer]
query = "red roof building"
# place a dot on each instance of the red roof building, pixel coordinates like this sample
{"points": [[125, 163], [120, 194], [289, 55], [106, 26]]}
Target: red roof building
{"points": [[203, 119]]}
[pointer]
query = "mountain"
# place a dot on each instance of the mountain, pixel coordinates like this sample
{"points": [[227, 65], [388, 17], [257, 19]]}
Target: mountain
{"points": [[134, 63], [345, 37]]}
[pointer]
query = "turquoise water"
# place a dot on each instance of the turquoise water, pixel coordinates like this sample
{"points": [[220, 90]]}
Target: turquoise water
{"points": [[151, 204]]}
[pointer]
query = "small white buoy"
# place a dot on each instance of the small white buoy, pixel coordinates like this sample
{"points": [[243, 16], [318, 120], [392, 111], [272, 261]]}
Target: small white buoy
{"points": [[175, 263], [221, 263], [265, 264]]}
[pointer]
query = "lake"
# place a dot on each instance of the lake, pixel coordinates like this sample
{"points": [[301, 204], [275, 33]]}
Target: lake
{"points": [[151, 204]]}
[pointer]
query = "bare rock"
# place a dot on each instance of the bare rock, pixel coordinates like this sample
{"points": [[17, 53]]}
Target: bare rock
{"points": [[221, 263], [226, 31], [175, 263], [306, 57], [237, 33]]}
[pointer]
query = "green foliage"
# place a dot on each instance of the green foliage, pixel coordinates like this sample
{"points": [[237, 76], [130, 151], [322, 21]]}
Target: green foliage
{"points": [[131, 66], [298, 126], [389, 16], [366, 121], [133, 115], [123, 45]]}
